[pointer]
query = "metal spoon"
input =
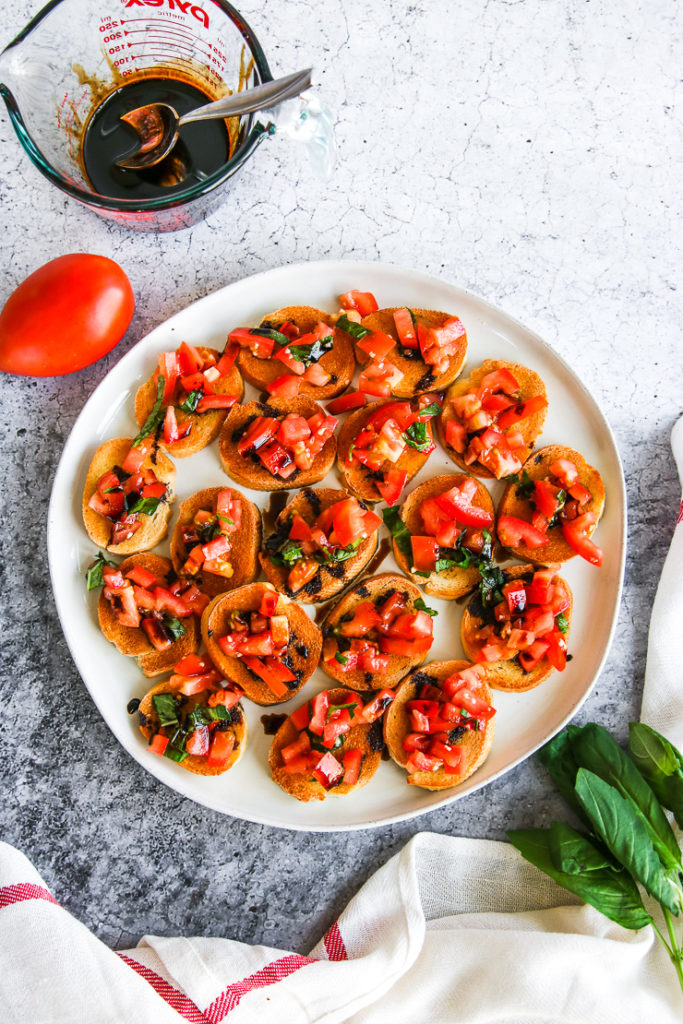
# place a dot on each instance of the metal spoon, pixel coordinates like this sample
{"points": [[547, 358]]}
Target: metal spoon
{"points": [[158, 124]]}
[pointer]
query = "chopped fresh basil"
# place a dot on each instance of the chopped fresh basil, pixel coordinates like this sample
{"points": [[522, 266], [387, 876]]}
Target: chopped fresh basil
{"points": [[224, 519], [356, 331], [146, 506], [329, 555], [217, 714], [562, 622], [340, 707], [94, 577], [174, 754], [317, 743], [422, 607], [166, 708], [398, 530], [155, 417], [208, 531], [289, 552], [173, 627], [270, 332], [192, 401], [417, 437], [492, 580], [525, 485], [341, 658], [308, 354], [431, 410]]}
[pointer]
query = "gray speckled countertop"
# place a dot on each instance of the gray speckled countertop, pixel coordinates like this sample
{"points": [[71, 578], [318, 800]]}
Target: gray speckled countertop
{"points": [[526, 150]]}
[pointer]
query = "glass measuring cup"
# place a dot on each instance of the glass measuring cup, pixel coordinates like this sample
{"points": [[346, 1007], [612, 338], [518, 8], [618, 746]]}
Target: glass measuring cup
{"points": [[77, 53]]}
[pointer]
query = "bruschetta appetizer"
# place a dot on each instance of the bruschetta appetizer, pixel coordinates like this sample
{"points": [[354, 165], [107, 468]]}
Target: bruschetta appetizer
{"points": [[185, 401], [146, 613], [262, 641], [491, 419], [331, 744], [278, 445], [381, 629], [194, 720], [551, 509], [322, 540], [383, 445], [217, 539], [127, 496], [518, 626], [296, 351], [442, 534], [407, 352], [440, 727]]}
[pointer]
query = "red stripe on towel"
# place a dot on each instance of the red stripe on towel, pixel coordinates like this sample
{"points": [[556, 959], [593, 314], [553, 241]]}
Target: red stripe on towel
{"points": [[24, 891], [178, 1000], [268, 975], [334, 944]]}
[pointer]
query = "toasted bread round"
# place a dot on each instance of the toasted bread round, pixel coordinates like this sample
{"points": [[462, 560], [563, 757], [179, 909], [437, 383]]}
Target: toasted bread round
{"points": [[249, 471], [358, 478], [330, 579], [132, 641], [375, 589], [449, 583], [477, 745], [149, 726], [245, 542], [206, 425], [303, 652], [304, 787], [418, 377], [339, 362], [507, 675], [112, 453], [513, 503], [530, 385]]}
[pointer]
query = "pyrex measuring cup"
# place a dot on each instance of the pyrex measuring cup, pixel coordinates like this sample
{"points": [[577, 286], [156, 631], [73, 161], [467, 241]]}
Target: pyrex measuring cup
{"points": [[76, 53]]}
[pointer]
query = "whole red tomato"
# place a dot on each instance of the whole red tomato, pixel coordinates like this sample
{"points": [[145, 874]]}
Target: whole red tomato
{"points": [[64, 316]]}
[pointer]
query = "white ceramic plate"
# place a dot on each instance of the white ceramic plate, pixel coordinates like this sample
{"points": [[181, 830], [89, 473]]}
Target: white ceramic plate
{"points": [[524, 721]]}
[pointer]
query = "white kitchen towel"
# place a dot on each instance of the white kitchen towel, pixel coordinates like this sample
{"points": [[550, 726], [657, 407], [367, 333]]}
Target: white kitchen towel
{"points": [[449, 930]]}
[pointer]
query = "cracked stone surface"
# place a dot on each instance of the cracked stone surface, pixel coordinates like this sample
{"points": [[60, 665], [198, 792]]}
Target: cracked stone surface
{"points": [[526, 150]]}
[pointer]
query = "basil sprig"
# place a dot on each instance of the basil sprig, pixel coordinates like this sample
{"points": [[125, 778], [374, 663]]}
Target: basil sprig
{"points": [[422, 607], [155, 417], [433, 409], [356, 331], [270, 332], [146, 506], [627, 843], [94, 577], [417, 437], [308, 354], [173, 626], [192, 400], [398, 530]]}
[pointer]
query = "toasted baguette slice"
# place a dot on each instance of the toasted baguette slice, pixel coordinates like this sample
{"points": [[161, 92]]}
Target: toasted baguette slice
{"points": [[206, 425], [418, 376], [376, 589], [477, 745], [304, 787], [530, 385], [110, 454], [245, 542], [250, 472], [513, 503], [449, 583], [330, 579], [507, 675], [149, 726], [132, 641], [339, 362], [358, 478], [303, 652]]}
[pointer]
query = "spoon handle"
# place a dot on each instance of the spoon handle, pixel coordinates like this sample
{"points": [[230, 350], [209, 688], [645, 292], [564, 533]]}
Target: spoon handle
{"points": [[251, 100]]}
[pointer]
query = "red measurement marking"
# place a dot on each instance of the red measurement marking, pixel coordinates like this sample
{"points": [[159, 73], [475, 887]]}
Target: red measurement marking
{"points": [[167, 28]]}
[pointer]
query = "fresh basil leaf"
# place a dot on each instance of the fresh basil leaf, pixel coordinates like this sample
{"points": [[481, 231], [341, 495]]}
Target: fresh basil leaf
{"points": [[330, 555], [562, 622], [155, 417], [525, 485], [94, 577], [192, 400], [340, 707], [317, 743], [208, 531], [341, 658], [613, 893], [356, 331], [595, 750], [218, 714], [289, 553], [166, 708], [173, 627], [308, 354], [416, 436], [173, 754], [661, 764], [422, 607], [558, 759], [490, 585], [625, 833], [270, 332], [433, 409], [398, 530], [574, 853], [145, 506]]}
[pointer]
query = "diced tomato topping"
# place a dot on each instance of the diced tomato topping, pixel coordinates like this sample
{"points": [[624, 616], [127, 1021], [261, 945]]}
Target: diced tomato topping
{"points": [[269, 603], [420, 762], [580, 493], [258, 433], [273, 673], [286, 386], [298, 748], [404, 648], [576, 533], [545, 497], [351, 762], [364, 302], [301, 717], [352, 400], [513, 531], [143, 577], [158, 744], [286, 357], [227, 360], [540, 590], [377, 345], [328, 770], [168, 369], [522, 411], [209, 403], [405, 328], [197, 742], [566, 472], [222, 746], [189, 359], [516, 596], [156, 635], [458, 504], [392, 486], [529, 658], [301, 573], [319, 708], [425, 553]]}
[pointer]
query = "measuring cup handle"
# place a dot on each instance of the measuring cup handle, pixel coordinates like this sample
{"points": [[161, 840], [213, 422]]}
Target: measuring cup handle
{"points": [[248, 102]]}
